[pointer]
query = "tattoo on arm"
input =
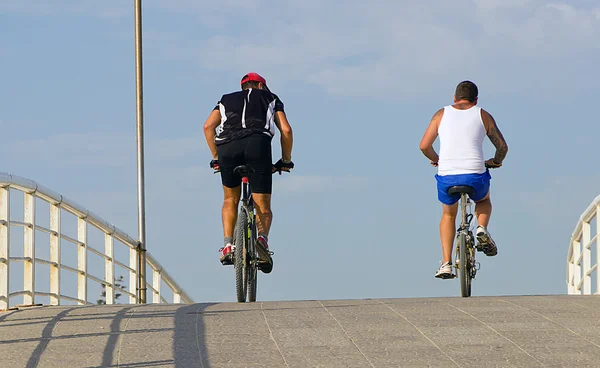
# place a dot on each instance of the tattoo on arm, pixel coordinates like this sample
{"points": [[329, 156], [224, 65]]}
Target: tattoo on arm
{"points": [[497, 140], [430, 136]]}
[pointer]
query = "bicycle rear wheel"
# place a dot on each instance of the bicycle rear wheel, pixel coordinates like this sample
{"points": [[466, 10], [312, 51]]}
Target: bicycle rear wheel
{"points": [[240, 263], [464, 265]]}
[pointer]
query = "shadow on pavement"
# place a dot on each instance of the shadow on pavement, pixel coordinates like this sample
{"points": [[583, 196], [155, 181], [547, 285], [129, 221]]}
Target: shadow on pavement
{"points": [[189, 343]]}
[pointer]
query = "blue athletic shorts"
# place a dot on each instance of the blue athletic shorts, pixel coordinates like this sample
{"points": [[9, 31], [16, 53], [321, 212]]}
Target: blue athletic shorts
{"points": [[480, 182]]}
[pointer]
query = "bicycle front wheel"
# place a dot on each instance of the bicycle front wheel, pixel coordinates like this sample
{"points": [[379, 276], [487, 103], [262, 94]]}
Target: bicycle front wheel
{"points": [[464, 266], [252, 268], [240, 263]]}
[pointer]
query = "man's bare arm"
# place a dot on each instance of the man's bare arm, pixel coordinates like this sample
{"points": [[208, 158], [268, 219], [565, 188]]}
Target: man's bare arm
{"points": [[495, 136], [212, 122], [430, 136], [287, 136]]}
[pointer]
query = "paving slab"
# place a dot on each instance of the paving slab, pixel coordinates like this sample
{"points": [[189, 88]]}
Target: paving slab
{"points": [[505, 331]]}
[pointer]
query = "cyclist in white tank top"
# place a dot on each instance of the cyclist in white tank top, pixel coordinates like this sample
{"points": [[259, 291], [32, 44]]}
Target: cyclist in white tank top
{"points": [[462, 127], [461, 135]]}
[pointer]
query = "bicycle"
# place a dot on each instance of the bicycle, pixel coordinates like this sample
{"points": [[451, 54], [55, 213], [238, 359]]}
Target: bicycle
{"points": [[244, 239], [466, 265], [246, 258]]}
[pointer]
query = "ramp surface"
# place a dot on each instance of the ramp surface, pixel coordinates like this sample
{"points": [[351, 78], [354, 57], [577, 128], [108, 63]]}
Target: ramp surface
{"points": [[528, 331]]}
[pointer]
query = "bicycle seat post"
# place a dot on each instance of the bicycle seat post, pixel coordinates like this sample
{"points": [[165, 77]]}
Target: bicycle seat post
{"points": [[244, 189], [244, 171]]}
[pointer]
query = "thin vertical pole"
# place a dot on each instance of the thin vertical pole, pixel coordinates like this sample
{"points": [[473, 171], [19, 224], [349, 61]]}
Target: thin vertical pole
{"points": [[55, 254], [4, 247], [29, 249], [141, 263]]}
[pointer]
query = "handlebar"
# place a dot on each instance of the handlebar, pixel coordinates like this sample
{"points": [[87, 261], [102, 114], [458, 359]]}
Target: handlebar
{"points": [[492, 167], [486, 165], [273, 170]]}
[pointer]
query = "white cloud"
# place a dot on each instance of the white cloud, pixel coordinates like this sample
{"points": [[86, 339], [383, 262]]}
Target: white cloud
{"points": [[490, 5], [402, 48], [353, 48]]}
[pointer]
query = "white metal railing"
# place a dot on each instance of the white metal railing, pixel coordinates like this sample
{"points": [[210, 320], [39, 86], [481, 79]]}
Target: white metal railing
{"points": [[583, 257], [85, 219]]}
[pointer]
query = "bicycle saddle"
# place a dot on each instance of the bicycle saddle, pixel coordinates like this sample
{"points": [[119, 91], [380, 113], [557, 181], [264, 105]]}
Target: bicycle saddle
{"points": [[459, 189], [243, 170]]}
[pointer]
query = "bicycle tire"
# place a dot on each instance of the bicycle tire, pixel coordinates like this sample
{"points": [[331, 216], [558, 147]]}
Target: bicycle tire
{"points": [[241, 241], [472, 267], [464, 266], [252, 267]]}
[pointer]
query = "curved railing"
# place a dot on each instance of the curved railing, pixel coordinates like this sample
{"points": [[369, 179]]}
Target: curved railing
{"points": [[583, 276], [68, 241]]}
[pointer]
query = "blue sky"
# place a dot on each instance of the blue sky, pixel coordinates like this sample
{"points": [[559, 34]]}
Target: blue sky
{"points": [[358, 217]]}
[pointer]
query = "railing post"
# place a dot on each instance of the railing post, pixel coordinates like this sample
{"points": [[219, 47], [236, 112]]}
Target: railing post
{"points": [[82, 260], [586, 238], [597, 245], [55, 254], [570, 287], [109, 268], [4, 247], [29, 249], [576, 265], [133, 258], [156, 281]]}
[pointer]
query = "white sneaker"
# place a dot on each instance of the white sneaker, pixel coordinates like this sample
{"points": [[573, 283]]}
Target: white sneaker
{"points": [[487, 244], [445, 271]]}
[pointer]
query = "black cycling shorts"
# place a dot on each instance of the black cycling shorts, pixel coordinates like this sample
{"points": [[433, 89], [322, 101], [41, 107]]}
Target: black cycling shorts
{"points": [[253, 151]]}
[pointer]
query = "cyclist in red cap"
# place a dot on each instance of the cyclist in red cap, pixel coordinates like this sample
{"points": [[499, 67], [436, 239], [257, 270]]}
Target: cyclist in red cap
{"points": [[239, 131]]}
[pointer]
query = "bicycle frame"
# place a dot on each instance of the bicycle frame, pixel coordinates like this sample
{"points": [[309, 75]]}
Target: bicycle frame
{"points": [[465, 213], [248, 205]]}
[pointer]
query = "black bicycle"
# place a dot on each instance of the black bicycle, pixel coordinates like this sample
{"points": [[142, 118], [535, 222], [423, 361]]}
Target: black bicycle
{"points": [[247, 260], [244, 239]]}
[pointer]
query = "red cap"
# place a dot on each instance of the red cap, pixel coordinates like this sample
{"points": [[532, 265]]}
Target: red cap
{"points": [[253, 77]]}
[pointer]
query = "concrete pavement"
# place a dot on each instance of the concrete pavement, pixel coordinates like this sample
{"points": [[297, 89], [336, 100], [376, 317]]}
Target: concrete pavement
{"points": [[515, 331]]}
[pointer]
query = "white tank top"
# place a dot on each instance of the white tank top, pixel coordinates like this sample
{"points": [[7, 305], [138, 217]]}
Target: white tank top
{"points": [[461, 134]]}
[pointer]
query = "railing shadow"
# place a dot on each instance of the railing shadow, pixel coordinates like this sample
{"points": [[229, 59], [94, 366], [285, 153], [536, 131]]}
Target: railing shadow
{"points": [[115, 335], [188, 333], [45, 340], [189, 344]]}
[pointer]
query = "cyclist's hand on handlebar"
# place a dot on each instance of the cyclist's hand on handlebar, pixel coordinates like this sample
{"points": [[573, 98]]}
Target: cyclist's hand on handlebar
{"points": [[491, 164], [214, 164], [281, 165]]}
